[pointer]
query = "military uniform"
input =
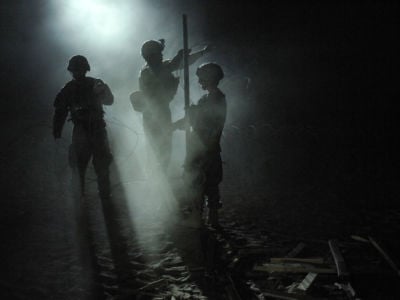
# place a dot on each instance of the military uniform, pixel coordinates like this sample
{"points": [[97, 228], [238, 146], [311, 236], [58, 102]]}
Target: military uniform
{"points": [[159, 87], [84, 103], [207, 119]]}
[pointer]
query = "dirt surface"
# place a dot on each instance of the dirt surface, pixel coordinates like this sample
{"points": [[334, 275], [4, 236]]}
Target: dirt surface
{"points": [[40, 252]]}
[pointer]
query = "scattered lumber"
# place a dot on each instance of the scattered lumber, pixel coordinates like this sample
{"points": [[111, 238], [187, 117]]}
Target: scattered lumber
{"points": [[296, 250], [307, 282], [339, 260], [314, 260], [294, 268], [386, 256]]}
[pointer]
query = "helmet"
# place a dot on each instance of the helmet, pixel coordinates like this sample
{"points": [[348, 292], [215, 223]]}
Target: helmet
{"points": [[210, 72], [152, 47], [78, 62]]}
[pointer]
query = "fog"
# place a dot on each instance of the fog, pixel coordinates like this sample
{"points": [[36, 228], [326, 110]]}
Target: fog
{"points": [[311, 119], [293, 77], [110, 35]]}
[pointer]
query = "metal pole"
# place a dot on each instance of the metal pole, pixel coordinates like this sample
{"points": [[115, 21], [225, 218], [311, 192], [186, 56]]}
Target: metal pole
{"points": [[195, 219], [186, 78]]}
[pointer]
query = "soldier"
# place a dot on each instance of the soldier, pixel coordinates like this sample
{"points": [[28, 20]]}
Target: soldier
{"points": [[207, 120], [83, 99], [158, 87]]}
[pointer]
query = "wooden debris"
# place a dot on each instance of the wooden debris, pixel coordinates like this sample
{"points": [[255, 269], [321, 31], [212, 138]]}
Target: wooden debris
{"points": [[315, 260], [359, 239], [348, 289], [339, 260], [307, 281], [296, 250], [154, 284], [176, 270], [391, 263], [293, 268]]}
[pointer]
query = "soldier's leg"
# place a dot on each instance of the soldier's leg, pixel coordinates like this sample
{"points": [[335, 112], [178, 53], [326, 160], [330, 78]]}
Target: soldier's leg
{"points": [[211, 189], [213, 204], [114, 210], [159, 139], [152, 148], [165, 150], [102, 158], [79, 156]]}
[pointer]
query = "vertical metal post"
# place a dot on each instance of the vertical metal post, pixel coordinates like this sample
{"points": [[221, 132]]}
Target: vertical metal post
{"points": [[192, 190], [186, 77]]}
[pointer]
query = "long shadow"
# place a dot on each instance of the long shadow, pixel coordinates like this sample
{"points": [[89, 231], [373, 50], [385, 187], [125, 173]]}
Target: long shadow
{"points": [[114, 213]]}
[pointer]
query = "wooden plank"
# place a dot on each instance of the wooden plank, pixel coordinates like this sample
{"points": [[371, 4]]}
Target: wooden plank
{"points": [[312, 260], [296, 251], [386, 256], [307, 281], [359, 239], [153, 284], [294, 268], [339, 260]]}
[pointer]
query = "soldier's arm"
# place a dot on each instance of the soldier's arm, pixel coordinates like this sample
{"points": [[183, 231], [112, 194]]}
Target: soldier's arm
{"points": [[179, 124], [220, 116], [60, 113], [104, 93], [193, 57], [177, 62], [145, 83], [216, 122], [142, 81]]}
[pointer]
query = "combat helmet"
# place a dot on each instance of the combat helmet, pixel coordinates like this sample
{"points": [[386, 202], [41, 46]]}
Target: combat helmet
{"points": [[210, 72], [78, 62], [152, 47]]}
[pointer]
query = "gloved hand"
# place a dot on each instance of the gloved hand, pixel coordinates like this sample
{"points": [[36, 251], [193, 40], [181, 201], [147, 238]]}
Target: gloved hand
{"points": [[180, 124], [207, 49], [181, 52], [191, 112]]}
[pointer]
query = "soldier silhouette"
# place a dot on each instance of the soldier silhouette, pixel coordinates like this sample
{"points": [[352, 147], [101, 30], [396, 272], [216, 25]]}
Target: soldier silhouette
{"points": [[203, 163], [83, 99], [158, 87]]}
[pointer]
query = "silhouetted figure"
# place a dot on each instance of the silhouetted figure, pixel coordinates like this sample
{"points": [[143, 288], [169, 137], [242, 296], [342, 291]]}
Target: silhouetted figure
{"points": [[158, 87], [83, 99], [207, 119]]}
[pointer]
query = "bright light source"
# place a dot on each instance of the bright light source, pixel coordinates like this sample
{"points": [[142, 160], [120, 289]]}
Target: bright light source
{"points": [[93, 18], [94, 23], [99, 18]]}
